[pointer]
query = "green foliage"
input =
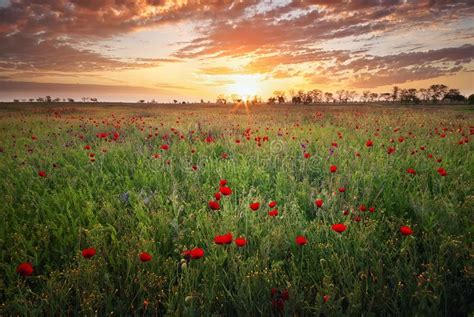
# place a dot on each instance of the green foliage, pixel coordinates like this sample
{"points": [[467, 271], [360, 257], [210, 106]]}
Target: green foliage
{"points": [[126, 201]]}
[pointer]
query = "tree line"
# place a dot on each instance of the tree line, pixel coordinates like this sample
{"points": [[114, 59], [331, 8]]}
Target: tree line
{"points": [[433, 94]]}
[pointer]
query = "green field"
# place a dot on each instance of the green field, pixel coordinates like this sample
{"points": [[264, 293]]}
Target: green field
{"points": [[127, 194]]}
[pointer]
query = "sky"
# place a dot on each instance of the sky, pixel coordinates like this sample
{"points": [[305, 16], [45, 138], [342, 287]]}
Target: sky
{"points": [[126, 50]]}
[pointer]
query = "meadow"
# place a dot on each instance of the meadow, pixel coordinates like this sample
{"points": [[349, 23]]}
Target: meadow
{"points": [[212, 210]]}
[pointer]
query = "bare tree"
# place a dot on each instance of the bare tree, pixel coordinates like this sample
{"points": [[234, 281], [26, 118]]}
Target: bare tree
{"points": [[222, 99], [316, 95]]}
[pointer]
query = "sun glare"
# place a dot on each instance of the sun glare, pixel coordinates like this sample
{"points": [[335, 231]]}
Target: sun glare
{"points": [[246, 86]]}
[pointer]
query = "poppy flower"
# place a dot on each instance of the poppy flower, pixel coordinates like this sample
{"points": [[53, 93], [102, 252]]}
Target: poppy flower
{"points": [[442, 171], [88, 253], [165, 147], [372, 209], [197, 253], [390, 150], [194, 254], [224, 155], [87, 147], [273, 213], [255, 206], [406, 231], [240, 242], [24, 269], [318, 202], [326, 298], [301, 240], [411, 171], [307, 155], [357, 218], [333, 168], [226, 191], [145, 257], [214, 205], [362, 208], [222, 182], [42, 173], [339, 227], [342, 189], [369, 143], [272, 204], [217, 196], [224, 239]]}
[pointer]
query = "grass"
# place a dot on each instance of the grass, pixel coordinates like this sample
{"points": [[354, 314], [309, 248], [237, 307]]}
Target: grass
{"points": [[127, 201]]}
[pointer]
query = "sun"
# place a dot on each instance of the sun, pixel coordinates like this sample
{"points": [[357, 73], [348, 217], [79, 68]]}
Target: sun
{"points": [[246, 86]]}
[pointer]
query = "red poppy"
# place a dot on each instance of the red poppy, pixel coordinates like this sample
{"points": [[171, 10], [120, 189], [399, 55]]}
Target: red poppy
{"points": [[442, 171], [342, 189], [318, 202], [326, 298], [301, 240], [240, 242], [272, 204], [194, 254], [165, 147], [226, 191], [214, 205], [273, 213], [406, 231], [42, 173], [362, 208], [411, 171], [372, 209], [145, 257], [24, 269], [224, 239], [357, 218], [390, 150], [307, 155], [333, 168], [222, 182], [339, 227], [88, 253], [217, 196], [369, 143], [87, 147], [255, 206]]}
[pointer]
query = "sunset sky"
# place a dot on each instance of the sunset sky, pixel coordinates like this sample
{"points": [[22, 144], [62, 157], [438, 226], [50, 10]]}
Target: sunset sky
{"points": [[125, 50]]}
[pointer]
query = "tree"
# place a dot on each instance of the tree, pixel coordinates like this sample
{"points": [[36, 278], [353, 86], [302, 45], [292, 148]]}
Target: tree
{"points": [[31, 100], [235, 98], [470, 99], [48, 98], [70, 99], [365, 95], [341, 95], [279, 95], [351, 95], [316, 95], [453, 95], [141, 101], [425, 94], [328, 96], [438, 91], [386, 96], [222, 99], [40, 99], [395, 93], [271, 100], [409, 95], [373, 96]]}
